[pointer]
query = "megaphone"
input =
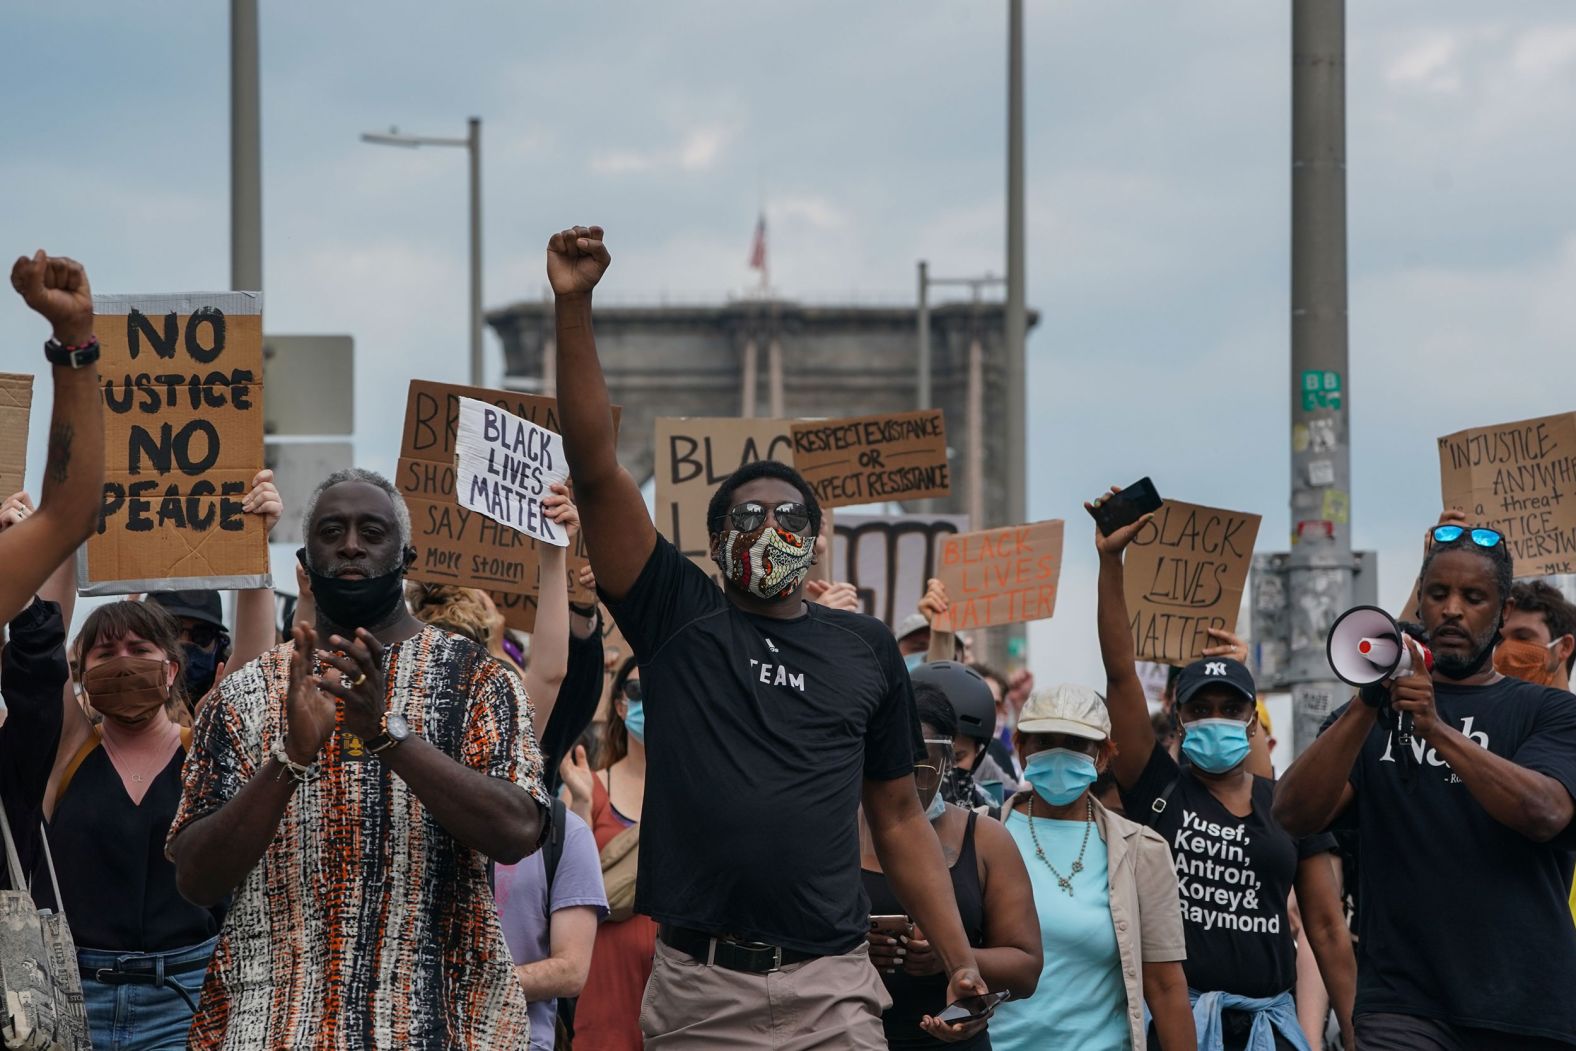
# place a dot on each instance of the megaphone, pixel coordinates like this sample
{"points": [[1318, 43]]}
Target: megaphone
{"points": [[1367, 645]]}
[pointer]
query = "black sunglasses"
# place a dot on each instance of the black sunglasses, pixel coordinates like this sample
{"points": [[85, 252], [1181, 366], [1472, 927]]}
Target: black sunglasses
{"points": [[632, 690], [748, 517], [1481, 536], [204, 636]]}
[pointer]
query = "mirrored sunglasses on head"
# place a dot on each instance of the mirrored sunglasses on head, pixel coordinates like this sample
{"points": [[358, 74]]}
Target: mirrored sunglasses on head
{"points": [[750, 516], [1482, 536]]}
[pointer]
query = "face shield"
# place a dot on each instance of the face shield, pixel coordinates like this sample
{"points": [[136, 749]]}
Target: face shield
{"points": [[929, 774]]}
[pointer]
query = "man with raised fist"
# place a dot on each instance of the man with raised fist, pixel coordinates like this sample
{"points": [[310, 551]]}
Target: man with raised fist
{"points": [[771, 719]]}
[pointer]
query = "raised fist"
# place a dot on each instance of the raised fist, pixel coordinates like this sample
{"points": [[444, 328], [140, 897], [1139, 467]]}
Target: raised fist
{"points": [[57, 288], [576, 260]]}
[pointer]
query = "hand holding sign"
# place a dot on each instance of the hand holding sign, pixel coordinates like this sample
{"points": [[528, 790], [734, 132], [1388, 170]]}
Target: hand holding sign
{"points": [[264, 500], [57, 288], [576, 260], [560, 507]]}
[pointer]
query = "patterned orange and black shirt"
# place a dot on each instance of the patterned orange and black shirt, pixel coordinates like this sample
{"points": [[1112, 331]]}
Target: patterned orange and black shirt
{"points": [[365, 925]]}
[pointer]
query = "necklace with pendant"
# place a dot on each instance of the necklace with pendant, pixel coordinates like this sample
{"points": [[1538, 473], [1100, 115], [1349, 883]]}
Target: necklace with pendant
{"points": [[1064, 882]]}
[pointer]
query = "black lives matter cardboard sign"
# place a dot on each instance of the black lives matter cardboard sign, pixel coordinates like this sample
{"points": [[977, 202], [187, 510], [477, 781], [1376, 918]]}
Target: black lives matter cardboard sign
{"points": [[1520, 479], [461, 547], [1000, 576], [694, 455], [1185, 572], [869, 459], [183, 431]]}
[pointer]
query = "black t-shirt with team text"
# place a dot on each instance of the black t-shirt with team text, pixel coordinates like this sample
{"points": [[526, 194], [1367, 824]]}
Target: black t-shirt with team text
{"points": [[1464, 919], [759, 736], [1233, 878]]}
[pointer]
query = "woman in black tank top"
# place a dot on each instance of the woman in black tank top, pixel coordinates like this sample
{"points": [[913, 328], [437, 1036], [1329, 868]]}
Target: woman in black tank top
{"points": [[143, 949], [995, 901]]}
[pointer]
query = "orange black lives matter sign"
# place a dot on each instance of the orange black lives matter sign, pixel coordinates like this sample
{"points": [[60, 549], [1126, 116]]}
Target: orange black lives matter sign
{"points": [[866, 459], [461, 547], [183, 430], [1000, 576], [1185, 572]]}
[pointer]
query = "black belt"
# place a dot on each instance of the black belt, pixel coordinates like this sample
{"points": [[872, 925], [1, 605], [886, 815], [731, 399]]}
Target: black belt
{"points": [[151, 972], [749, 957]]}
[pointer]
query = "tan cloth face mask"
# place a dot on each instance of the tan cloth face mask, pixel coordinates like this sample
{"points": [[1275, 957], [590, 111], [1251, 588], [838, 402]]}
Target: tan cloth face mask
{"points": [[128, 689]]}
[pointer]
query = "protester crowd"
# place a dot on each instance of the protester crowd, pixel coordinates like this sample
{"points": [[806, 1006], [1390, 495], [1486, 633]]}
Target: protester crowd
{"points": [[393, 822]]}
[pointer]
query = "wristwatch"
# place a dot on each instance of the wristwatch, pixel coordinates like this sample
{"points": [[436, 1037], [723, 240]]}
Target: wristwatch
{"points": [[75, 357], [395, 730]]}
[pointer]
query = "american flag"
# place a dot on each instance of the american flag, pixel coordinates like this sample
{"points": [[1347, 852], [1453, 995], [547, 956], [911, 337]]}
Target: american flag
{"points": [[758, 249]]}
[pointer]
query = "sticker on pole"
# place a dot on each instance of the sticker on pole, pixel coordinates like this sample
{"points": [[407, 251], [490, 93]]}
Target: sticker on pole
{"points": [[505, 467]]}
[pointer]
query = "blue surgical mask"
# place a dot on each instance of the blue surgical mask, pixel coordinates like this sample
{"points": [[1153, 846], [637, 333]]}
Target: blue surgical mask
{"points": [[1060, 775], [1215, 745], [635, 720], [914, 660], [938, 806]]}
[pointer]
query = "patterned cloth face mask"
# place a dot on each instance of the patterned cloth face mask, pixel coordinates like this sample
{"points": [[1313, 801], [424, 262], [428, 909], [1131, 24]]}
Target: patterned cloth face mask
{"points": [[767, 562]]}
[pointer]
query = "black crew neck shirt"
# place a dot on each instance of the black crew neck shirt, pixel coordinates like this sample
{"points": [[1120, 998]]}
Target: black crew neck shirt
{"points": [[1463, 919], [1233, 878], [760, 734]]}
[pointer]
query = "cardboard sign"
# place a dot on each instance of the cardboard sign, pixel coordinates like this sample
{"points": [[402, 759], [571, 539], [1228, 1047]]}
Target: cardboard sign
{"points": [[507, 466], [694, 455], [889, 558], [183, 433], [455, 545], [864, 459], [1185, 572], [16, 408], [1001, 576], [1518, 478]]}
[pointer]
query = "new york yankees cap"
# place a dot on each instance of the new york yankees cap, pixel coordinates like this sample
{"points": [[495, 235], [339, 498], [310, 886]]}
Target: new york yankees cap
{"points": [[1215, 671]]}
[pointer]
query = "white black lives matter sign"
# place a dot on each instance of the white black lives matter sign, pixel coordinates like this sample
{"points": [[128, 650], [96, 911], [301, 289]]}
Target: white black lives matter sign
{"points": [[505, 466]]}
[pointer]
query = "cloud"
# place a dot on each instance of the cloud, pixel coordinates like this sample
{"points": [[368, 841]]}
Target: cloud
{"points": [[697, 150]]}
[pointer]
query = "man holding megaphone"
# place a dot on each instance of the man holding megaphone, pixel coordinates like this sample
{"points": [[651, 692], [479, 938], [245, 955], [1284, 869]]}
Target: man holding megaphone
{"points": [[1463, 812]]}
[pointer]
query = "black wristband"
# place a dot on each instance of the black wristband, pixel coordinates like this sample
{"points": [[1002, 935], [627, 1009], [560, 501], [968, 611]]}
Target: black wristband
{"points": [[72, 357], [584, 611], [1374, 695]]}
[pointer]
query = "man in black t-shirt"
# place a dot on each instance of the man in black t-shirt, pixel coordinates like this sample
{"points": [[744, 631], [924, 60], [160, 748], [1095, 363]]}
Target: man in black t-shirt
{"points": [[769, 720], [1464, 832]]}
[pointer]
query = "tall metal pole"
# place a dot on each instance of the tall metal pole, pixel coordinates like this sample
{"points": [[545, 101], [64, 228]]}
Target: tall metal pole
{"points": [[1017, 313], [246, 151], [474, 144], [923, 386], [1320, 566]]}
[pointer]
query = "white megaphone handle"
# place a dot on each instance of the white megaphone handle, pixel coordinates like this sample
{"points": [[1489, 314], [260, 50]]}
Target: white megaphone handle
{"points": [[1381, 651]]}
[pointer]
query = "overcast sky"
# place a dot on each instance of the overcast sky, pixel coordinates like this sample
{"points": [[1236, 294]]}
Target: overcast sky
{"points": [[1158, 178]]}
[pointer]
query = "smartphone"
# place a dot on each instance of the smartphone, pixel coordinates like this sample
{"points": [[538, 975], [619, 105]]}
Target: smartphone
{"points": [[896, 926], [1126, 507], [971, 1008]]}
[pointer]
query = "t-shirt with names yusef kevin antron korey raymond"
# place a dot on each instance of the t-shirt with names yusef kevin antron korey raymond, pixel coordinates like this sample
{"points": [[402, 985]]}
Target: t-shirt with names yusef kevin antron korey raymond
{"points": [[1233, 878], [760, 734]]}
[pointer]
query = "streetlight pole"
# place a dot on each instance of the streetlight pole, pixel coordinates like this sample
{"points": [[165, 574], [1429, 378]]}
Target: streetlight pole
{"points": [[1017, 310], [1320, 567], [472, 143], [246, 151]]}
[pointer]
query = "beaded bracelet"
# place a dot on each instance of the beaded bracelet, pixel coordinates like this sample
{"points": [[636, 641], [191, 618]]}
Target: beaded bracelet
{"points": [[299, 773]]}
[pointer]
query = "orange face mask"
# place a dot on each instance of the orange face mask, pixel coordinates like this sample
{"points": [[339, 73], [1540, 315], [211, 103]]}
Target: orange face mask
{"points": [[1520, 659]]}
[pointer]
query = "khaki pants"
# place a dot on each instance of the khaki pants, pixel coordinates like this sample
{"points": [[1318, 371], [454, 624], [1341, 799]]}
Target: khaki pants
{"points": [[830, 1002]]}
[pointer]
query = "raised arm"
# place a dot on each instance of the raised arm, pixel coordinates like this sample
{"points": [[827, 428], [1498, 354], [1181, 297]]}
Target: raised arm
{"points": [[544, 677], [254, 607], [619, 533], [1131, 729], [57, 288], [933, 604]]}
